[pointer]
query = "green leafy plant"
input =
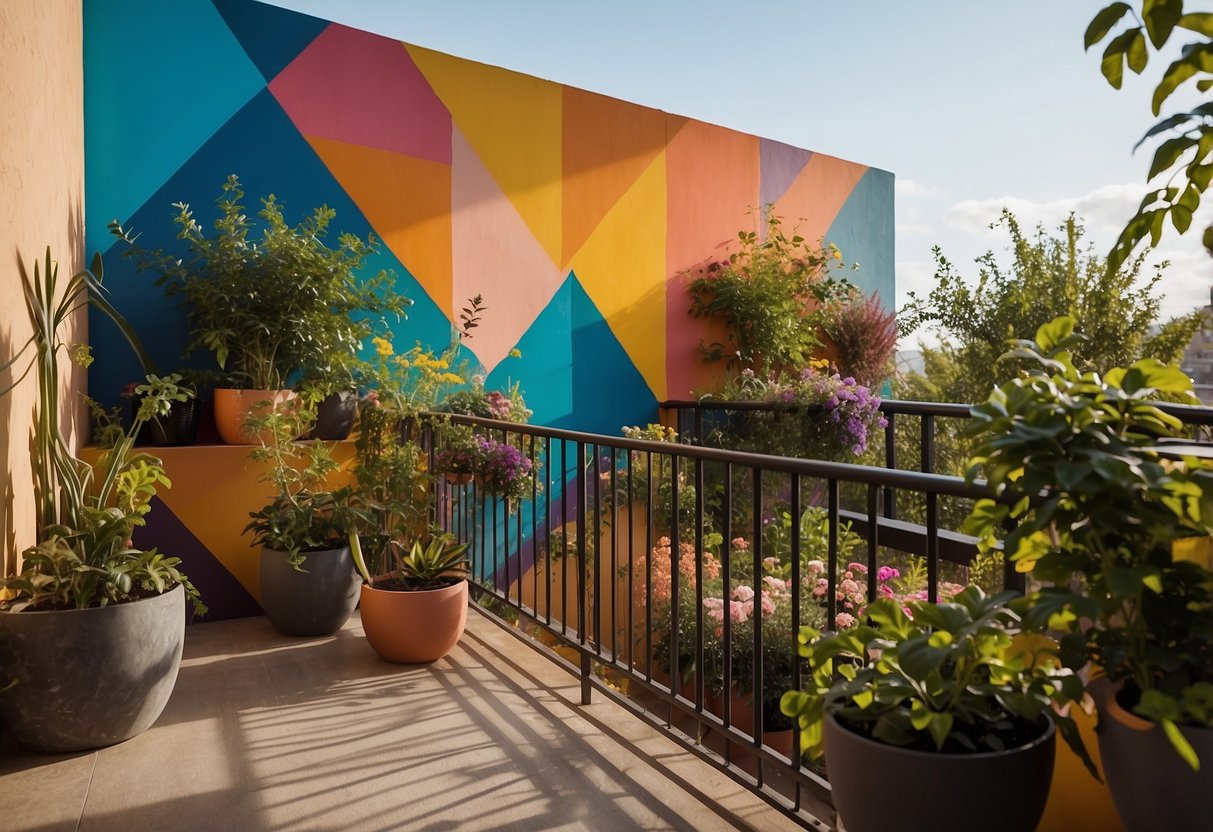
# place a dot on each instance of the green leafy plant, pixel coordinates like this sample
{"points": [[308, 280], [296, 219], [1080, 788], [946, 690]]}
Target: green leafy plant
{"points": [[304, 515], [770, 296], [437, 562], [272, 306], [948, 677], [1095, 511], [87, 513], [1188, 151]]}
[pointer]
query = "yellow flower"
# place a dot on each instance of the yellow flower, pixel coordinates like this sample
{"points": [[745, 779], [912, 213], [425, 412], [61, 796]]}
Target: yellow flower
{"points": [[451, 378], [402, 361], [382, 346], [515, 353]]}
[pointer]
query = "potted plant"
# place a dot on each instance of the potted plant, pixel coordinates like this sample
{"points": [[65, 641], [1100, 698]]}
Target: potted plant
{"points": [[417, 611], [307, 579], [179, 426], [268, 307], [1095, 510], [922, 694], [92, 631]]}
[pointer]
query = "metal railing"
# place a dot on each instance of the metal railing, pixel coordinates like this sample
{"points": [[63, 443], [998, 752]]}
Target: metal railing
{"points": [[673, 578], [694, 421]]}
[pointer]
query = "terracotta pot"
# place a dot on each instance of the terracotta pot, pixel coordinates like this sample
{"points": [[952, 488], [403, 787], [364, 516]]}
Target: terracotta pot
{"points": [[458, 478], [1151, 785], [741, 717], [877, 787], [414, 627], [232, 408]]}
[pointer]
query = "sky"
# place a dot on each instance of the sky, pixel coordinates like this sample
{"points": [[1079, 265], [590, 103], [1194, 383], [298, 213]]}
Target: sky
{"points": [[972, 105]]}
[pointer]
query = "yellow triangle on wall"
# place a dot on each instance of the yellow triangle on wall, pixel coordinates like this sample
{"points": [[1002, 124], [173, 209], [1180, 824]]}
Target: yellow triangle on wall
{"points": [[513, 122], [622, 267]]}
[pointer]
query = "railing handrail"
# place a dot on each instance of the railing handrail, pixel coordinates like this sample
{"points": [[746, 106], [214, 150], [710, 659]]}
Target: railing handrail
{"points": [[1187, 413], [812, 468]]}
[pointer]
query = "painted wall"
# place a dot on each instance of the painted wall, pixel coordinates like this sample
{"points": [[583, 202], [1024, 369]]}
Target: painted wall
{"points": [[42, 189], [571, 213]]}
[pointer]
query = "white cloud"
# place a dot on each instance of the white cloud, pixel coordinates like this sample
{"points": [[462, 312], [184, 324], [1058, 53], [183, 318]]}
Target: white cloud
{"points": [[903, 187]]}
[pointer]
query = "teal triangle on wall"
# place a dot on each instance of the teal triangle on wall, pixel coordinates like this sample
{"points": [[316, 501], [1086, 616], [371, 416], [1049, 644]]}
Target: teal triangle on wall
{"points": [[605, 393], [272, 37], [280, 162], [863, 232], [159, 79]]}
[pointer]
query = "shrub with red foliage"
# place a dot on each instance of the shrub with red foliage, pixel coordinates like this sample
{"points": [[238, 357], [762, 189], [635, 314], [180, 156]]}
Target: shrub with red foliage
{"points": [[864, 337]]}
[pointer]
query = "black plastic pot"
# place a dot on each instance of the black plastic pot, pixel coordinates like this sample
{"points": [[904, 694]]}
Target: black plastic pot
{"points": [[878, 787], [179, 427], [89, 678], [314, 602], [335, 415]]}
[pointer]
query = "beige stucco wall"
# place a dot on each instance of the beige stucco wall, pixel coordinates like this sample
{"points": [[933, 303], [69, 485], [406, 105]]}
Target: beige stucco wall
{"points": [[41, 204]]}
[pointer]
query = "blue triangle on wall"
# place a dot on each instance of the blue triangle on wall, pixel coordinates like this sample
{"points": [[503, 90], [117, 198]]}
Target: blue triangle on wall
{"points": [[262, 146], [605, 393], [272, 37]]}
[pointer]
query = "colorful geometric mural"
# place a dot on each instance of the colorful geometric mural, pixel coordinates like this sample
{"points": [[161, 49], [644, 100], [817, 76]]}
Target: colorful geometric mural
{"points": [[573, 214]]}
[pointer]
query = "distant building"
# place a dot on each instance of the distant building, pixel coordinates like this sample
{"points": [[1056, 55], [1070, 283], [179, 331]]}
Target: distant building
{"points": [[1198, 358]]}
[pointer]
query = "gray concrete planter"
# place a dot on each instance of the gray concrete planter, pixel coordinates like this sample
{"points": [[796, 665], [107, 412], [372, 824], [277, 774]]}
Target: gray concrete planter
{"points": [[315, 602], [89, 678]]}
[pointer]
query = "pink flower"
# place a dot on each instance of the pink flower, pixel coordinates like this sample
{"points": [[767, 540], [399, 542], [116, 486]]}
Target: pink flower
{"points": [[768, 605], [887, 573], [744, 593], [848, 587], [821, 588], [814, 568], [844, 621], [741, 543]]}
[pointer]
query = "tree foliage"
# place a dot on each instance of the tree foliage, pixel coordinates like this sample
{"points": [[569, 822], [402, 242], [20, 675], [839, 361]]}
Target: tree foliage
{"points": [[1049, 275], [1187, 150]]}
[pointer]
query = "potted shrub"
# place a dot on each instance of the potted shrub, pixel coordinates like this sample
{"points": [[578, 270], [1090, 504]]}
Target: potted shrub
{"points": [[417, 611], [92, 631], [268, 307], [307, 580], [924, 694], [1095, 511]]}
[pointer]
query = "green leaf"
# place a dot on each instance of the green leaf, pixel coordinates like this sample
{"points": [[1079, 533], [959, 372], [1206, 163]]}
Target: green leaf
{"points": [[1181, 744], [1168, 153], [1136, 53], [1196, 59], [1160, 17], [1161, 127], [1103, 22], [1112, 65], [1199, 22]]}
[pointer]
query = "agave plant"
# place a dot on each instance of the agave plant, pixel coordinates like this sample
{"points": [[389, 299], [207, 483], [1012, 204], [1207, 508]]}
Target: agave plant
{"points": [[438, 562]]}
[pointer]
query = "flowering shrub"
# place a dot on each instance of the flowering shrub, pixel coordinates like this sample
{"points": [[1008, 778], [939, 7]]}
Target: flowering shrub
{"points": [[864, 335], [821, 415], [765, 597]]}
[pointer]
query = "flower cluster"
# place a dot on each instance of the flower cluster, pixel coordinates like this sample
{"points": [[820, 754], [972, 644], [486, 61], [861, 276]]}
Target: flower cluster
{"points": [[851, 590], [415, 380], [504, 470], [818, 414]]}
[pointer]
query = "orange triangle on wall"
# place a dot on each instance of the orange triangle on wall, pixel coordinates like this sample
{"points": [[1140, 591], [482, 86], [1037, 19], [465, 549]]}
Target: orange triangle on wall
{"points": [[607, 145], [407, 201]]}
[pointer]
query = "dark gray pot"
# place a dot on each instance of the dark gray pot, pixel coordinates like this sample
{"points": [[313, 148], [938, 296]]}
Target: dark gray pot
{"points": [[878, 787], [315, 602], [89, 678], [335, 415], [1151, 785]]}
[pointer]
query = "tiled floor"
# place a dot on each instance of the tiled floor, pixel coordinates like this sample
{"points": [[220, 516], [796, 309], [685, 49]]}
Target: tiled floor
{"points": [[266, 732]]}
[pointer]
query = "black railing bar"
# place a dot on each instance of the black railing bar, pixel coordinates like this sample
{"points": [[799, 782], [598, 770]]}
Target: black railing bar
{"points": [[911, 538], [847, 471], [700, 680]]}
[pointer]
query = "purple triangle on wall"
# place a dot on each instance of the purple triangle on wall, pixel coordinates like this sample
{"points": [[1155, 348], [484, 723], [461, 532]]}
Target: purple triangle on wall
{"points": [[780, 165], [226, 596]]}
